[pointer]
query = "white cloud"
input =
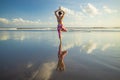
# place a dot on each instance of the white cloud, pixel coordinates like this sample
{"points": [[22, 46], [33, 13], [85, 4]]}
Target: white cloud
{"points": [[4, 20], [7, 36], [90, 9], [20, 21], [68, 11], [68, 46], [73, 17], [108, 10], [71, 44], [106, 46], [29, 65], [73, 13], [4, 36], [45, 72], [89, 47], [21, 36], [75, 41]]}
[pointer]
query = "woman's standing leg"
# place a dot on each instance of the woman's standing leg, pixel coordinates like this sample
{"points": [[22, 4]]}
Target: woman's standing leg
{"points": [[59, 33]]}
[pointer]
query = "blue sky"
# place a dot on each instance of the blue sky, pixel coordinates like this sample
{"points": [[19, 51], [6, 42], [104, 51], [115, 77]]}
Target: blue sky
{"points": [[40, 13]]}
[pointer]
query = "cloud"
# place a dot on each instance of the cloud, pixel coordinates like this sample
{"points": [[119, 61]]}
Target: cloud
{"points": [[108, 10], [89, 47], [73, 13], [71, 44], [69, 11], [21, 36], [4, 20], [106, 46], [75, 41], [68, 46], [4, 36], [90, 9], [14, 36], [20, 22], [45, 72], [29, 65], [73, 17]]}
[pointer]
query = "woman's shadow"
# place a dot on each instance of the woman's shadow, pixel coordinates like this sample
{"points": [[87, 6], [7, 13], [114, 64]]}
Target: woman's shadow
{"points": [[61, 55]]}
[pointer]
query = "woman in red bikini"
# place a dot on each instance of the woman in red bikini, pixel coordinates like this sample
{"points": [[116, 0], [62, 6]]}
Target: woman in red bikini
{"points": [[59, 15], [61, 55]]}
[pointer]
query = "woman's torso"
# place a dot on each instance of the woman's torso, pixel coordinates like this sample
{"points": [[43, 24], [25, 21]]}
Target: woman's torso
{"points": [[59, 19]]}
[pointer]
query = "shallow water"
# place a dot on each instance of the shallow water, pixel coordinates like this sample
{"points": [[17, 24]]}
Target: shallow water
{"points": [[33, 55]]}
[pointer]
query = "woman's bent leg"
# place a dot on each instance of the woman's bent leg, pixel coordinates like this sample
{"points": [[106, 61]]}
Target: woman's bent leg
{"points": [[64, 29]]}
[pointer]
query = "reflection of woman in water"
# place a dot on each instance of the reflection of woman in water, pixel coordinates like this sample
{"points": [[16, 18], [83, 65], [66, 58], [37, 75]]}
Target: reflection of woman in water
{"points": [[61, 55], [59, 15]]}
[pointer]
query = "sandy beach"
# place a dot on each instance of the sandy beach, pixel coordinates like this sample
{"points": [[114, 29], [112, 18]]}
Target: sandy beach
{"points": [[33, 55]]}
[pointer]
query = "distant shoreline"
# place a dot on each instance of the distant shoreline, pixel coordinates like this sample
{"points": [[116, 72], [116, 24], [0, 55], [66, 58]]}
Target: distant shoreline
{"points": [[88, 29]]}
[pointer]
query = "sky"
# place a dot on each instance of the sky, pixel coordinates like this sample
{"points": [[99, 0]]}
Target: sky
{"points": [[40, 13]]}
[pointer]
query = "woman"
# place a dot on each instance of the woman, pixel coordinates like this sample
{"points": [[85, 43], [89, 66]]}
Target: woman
{"points": [[60, 15], [61, 55]]}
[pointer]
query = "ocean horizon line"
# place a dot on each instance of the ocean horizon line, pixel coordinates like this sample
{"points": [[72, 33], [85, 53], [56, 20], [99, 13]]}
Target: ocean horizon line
{"points": [[69, 28]]}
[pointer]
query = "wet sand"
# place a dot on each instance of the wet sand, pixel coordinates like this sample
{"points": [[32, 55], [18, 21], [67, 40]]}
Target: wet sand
{"points": [[33, 55]]}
